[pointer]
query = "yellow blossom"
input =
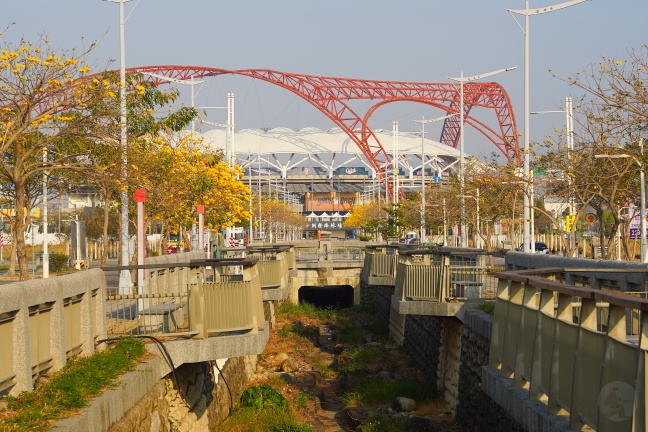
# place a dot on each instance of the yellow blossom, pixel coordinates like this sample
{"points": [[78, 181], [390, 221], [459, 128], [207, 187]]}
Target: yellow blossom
{"points": [[70, 61], [24, 49], [84, 69]]}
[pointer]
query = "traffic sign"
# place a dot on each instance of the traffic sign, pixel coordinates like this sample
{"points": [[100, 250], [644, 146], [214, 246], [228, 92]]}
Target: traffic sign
{"points": [[569, 222]]}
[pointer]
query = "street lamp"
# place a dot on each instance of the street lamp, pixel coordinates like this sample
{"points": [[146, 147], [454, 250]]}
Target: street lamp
{"points": [[125, 282], [189, 82], [642, 208], [445, 228], [569, 125], [528, 245], [395, 167], [461, 80], [423, 121], [45, 228], [478, 225]]}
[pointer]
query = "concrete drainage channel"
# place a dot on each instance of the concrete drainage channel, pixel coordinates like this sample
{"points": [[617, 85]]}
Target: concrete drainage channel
{"points": [[303, 373]]}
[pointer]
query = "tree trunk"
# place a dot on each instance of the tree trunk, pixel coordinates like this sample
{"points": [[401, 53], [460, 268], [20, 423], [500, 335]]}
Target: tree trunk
{"points": [[106, 244], [19, 234]]}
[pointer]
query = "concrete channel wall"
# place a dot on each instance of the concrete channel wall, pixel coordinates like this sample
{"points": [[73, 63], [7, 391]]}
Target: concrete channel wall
{"points": [[451, 351]]}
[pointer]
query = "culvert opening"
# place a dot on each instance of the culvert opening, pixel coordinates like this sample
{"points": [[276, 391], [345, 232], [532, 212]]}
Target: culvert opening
{"points": [[327, 297]]}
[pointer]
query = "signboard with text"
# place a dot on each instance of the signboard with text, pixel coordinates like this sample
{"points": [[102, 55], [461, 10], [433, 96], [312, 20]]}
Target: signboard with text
{"points": [[330, 201]]}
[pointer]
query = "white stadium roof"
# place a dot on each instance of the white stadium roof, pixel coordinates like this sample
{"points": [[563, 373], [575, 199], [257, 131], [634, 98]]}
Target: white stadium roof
{"points": [[331, 149]]}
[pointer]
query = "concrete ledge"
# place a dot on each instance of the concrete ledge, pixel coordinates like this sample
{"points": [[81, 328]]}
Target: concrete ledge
{"points": [[475, 319], [381, 280], [531, 415], [276, 294], [422, 307], [217, 347], [111, 406], [330, 264]]}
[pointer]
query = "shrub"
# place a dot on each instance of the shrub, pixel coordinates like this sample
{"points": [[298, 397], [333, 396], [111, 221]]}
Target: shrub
{"points": [[58, 262], [263, 396]]}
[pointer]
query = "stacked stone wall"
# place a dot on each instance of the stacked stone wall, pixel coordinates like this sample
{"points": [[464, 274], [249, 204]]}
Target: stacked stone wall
{"points": [[423, 343], [381, 301], [475, 410], [452, 355], [196, 397]]}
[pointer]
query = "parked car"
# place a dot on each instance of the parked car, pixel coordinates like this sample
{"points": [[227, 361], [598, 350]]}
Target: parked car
{"points": [[540, 247]]}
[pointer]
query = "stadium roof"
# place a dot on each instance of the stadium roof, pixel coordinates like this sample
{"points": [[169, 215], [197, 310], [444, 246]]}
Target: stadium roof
{"points": [[281, 149]]}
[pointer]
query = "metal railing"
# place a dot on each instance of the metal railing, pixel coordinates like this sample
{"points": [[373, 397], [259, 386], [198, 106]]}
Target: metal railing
{"points": [[380, 261], [572, 348], [420, 278], [329, 251], [198, 298], [273, 265]]}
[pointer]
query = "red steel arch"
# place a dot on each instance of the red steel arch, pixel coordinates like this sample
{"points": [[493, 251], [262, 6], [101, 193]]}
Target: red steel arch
{"points": [[329, 95]]}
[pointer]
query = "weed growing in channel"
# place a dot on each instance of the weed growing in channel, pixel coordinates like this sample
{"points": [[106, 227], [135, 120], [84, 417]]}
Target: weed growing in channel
{"points": [[263, 409]]}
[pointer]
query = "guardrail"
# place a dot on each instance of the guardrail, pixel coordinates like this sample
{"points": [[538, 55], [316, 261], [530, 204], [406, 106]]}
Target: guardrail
{"points": [[380, 262], [273, 265], [418, 277], [572, 348], [329, 251], [198, 298], [44, 322]]}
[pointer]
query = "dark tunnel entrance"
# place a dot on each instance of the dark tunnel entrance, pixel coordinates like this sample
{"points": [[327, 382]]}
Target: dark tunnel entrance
{"points": [[327, 297]]}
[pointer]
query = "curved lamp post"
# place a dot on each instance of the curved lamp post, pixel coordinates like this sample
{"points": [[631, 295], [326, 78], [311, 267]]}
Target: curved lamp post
{"points": [[528, 243], [570, 148], [461, 80], [125, 282], [422, 122]]}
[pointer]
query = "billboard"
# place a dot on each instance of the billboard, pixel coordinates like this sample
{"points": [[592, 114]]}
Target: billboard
{"points": [[331, 201]]}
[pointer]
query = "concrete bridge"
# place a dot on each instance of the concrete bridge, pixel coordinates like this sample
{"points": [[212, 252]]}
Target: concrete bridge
{"points": [[564, 350]]}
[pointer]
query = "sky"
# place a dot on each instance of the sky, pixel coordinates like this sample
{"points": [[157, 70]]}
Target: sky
{"points": [[405, 40]]}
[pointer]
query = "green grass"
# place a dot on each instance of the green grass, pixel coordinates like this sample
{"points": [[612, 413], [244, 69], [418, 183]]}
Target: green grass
{"points": [[296, 311], [383, 391], [263, 409], [488, 308], [249, 419], [71, 388], [352, 361]]}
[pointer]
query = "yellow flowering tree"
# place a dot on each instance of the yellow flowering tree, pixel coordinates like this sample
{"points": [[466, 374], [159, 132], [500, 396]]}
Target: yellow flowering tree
{"points": [[40, 106], [179, 173], [148, 115]]}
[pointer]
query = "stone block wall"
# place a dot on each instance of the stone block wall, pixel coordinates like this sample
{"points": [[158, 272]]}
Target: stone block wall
{"points": [[198, 396], [475, 410], [423, 342]]}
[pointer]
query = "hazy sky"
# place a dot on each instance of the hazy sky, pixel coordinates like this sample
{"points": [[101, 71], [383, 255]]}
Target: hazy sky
{"points": [[405, 40]]}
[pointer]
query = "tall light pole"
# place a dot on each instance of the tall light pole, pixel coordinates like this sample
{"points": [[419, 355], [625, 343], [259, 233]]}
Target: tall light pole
{"points": [[423, 121], [445, 228], [461, 80], [189, 82], [642, 188], [528, 245], [569, 126], [125, 282], [395, 167], [45, 228]]}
